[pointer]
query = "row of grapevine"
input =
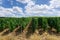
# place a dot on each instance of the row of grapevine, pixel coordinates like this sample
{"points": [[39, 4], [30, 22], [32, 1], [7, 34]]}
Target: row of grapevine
{"points": [[43, 23], [54, 22], [58, 24], [49, 22], [12, 23], [34, 24], [37, 22]]}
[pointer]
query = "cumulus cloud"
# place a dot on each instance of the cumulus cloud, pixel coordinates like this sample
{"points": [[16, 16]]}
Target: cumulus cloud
{"points": [[55, 3], [6, 12], [23, 1], [32, 9], [44, 10], [11, 12], [18, 12]]}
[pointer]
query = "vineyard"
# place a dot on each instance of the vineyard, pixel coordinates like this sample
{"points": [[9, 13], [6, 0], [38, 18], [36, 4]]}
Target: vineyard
{"points": [[44, 23], [33, 23]]}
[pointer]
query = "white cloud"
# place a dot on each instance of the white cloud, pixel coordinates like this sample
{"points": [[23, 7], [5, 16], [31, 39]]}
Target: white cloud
{"points": [[23, 1], [32, 9], [6, 12], [18, 11], [44, 10], [11, 12], [55, 3]]}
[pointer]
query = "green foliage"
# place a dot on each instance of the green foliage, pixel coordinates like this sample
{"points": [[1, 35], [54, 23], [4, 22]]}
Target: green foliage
{"points": [[12, 23], [40, 21], [44, 23], [34, 23], [1, 28], [58, 25], [52, 22]]}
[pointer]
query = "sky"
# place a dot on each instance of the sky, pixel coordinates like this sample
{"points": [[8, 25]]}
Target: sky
{"points": [[29, 8]]}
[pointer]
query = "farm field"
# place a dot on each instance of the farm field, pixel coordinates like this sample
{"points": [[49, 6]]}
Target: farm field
{"points": [[30, 28]]}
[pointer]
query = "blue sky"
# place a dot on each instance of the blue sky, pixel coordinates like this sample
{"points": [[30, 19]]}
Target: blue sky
{"points": [[30, 7], [8, 4], [42, 2]]}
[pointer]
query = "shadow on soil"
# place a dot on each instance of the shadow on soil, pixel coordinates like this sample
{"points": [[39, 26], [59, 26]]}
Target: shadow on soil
{"points": [[19, 31], [51, 32], [5, 33], [16, 30], [29, 32]]}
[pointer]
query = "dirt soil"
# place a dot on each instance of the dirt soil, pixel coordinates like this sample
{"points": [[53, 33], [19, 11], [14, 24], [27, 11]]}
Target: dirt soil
{"points": [[28, 36]]}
